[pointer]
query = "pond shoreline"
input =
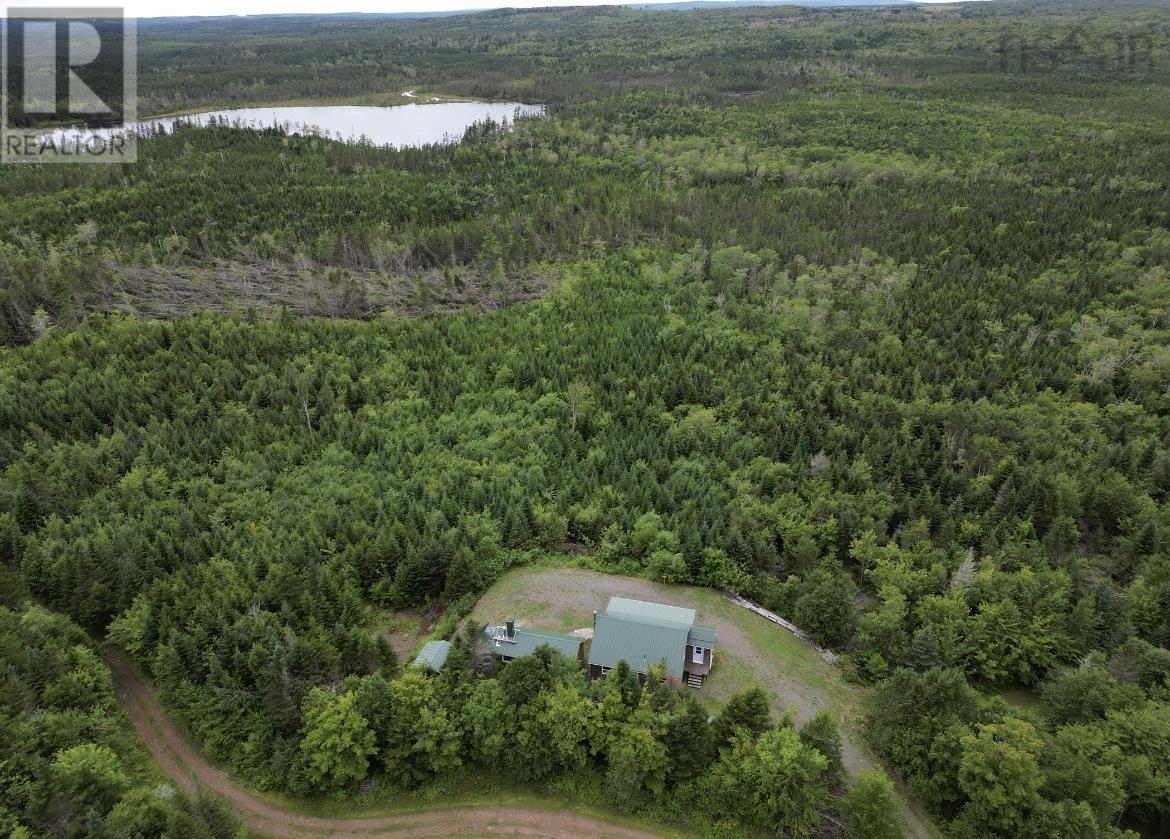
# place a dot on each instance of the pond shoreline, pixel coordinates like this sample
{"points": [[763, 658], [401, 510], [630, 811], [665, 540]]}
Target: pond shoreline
{"points": [[413, 123]]}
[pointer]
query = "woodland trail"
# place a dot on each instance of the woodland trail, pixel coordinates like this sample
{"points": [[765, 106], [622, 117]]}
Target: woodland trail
{"points": [[179, 759]]}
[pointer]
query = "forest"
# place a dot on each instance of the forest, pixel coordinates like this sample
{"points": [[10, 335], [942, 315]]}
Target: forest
{"points": [[863, 314], [71, 765]]}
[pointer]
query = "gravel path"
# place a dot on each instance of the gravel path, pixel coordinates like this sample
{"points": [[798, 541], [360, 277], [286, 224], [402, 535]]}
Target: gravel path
{"points": [[182, 762]]}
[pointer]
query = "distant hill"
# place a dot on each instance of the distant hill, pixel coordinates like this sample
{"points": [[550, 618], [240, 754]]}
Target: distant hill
{"points": [[682, 5], [722, 4]]}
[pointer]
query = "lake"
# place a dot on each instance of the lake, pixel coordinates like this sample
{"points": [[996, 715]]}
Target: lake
{"points": [[400, 125]]}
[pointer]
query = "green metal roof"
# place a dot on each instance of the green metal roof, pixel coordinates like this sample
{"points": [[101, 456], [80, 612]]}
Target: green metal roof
{"points": [[433, 655], [640, 643], [658, 613], [643, 634], [527, 640], [701, 636]]}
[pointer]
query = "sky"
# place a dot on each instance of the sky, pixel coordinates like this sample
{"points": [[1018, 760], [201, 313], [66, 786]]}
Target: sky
{"points": [[160, 8], [169, 8]]}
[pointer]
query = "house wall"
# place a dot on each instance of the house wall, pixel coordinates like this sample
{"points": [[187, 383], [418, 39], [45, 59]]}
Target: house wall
{"points": [[596, 671], [690, 655], [690, 666]]}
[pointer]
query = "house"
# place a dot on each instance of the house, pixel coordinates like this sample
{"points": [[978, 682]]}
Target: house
{"points": [[646, 634], [510, 641], [433, 655]]}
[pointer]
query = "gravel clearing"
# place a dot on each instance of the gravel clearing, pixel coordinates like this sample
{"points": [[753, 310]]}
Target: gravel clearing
{"points": [[748, 649]]}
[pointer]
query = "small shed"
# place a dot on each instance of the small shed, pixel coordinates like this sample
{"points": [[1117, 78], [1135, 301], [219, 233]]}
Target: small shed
{"points": [[433, 655]]}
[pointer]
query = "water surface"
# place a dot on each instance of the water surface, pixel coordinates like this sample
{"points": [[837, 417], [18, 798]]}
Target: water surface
{"points": [[399, 125]]}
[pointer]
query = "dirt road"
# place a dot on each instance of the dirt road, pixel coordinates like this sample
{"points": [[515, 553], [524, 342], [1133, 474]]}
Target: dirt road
{"points": [[179, 759]]}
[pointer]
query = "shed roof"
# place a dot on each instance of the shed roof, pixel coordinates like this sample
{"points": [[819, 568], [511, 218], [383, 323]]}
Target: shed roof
{"points": [[527, 640], [702, 636], [433, 655]]}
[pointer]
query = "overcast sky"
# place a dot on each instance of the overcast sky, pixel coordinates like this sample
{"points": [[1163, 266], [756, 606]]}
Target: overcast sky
{"points": [[165, 8], [155, 8], [171, 8]]}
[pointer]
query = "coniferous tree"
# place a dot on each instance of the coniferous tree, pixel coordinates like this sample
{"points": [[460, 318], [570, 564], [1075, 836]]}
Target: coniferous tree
{"points": [[463, 576], [821, 733], [690, 742], [925, 651], [745, 713]]}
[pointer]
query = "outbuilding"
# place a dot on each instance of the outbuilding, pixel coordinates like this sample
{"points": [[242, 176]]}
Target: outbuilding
{"points": [[433, 655]]}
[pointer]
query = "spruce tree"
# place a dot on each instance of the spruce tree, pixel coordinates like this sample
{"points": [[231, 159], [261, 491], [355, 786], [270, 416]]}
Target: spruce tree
{"points": [[745, 712], [463, 575]]}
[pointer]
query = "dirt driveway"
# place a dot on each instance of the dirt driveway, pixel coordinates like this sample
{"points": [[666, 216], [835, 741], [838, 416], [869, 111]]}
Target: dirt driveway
{"points": [[182, 762], [748, 649], [753, 650], [564, 599]]}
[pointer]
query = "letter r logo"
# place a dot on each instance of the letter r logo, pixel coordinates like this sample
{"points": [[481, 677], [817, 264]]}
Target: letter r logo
{"points": [[68, 84], [85, 44], [40, 67]]}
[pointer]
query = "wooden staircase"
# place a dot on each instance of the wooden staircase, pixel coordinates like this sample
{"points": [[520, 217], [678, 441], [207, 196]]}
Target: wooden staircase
{"points": [[694, 680]]}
